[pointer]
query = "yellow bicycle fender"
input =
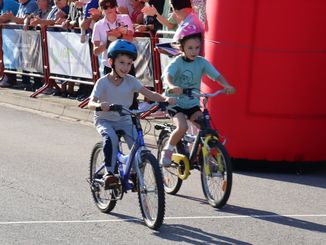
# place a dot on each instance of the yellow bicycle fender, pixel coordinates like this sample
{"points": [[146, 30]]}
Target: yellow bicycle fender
{"points": [[177, 159], [205, 151]]}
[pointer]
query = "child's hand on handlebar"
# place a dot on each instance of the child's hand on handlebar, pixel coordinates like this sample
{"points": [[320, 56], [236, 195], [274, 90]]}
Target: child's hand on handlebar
{"points": [[105, 106], [175, 90], [229, 89], [171, 101]]}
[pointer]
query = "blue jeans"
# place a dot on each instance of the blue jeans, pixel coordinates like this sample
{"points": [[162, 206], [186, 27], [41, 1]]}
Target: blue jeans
{"points": [[107, 129]]}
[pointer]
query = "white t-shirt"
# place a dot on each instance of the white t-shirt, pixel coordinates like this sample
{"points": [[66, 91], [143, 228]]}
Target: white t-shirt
{"points": [[102, 26], [105, 91]]}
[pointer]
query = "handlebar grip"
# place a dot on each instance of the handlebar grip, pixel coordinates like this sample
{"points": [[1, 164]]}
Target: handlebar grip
{"points": [[186, 91], [163, 105], [115, 107]]}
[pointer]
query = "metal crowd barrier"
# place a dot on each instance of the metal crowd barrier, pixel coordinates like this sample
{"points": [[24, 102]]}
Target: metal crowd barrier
{"points": [[54, 53]]}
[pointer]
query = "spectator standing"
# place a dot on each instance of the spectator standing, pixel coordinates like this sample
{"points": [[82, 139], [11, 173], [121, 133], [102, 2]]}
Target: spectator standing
{"points": [[199, 7], [167, 18], [112, 27], [8, 6], [170, 20], [90, 16], [74, 15], [137, 15], [124, 7], [44, 8], [184, 13], [26, 7], [159, 6], [58, 14]]}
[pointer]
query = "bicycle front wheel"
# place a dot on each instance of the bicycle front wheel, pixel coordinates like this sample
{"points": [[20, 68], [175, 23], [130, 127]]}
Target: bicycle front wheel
{"points": [[151, 193], [105, 200], [217, 185]]}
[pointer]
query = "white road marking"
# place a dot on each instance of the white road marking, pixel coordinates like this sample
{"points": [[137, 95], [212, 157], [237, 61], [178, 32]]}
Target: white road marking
{"points": [[166, 218]]}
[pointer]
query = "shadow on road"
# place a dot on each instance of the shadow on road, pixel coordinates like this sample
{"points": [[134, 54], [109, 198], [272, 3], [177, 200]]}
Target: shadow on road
{"points": [[200, 200], [191, 235], [312, 174], [275, 218], [183, 233], [128, 218]]}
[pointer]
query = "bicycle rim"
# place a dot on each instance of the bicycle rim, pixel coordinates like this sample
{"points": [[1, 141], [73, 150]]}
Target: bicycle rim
{"points": [[217, 185], [151, 194]]}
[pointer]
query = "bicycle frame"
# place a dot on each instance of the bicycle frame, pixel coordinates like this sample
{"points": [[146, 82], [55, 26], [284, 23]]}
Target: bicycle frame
{"points": [[134, 158], [205, 130]]}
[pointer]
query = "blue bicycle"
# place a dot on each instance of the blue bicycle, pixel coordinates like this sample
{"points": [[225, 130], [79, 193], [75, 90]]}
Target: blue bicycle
{"points": [[147, 180]]}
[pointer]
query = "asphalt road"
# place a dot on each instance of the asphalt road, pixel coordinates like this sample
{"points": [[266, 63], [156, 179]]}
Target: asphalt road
{"points": [[45, 199]]}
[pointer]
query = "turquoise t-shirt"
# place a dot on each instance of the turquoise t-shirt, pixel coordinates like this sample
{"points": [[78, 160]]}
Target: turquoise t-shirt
{"points": [[188, 75]]}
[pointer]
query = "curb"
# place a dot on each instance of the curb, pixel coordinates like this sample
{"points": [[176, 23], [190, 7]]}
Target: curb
{"points": [[61, 107]]}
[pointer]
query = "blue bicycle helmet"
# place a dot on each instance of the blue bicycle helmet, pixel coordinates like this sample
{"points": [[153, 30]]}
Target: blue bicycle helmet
{"points": [[121, 46]]}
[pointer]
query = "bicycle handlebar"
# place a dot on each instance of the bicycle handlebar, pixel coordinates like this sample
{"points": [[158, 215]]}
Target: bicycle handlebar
{"points": [[125, 111], [191, 93], [206, 95]]}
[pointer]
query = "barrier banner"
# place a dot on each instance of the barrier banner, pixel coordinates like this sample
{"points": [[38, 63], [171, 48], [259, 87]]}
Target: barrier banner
{"points": [[144, 62], [22, 50], [68, 56]]}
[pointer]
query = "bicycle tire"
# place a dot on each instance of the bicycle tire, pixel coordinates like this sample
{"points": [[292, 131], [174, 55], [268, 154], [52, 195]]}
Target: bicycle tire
{"points": [[151, 196], [217, 187], [172, 183], [105, 200]]}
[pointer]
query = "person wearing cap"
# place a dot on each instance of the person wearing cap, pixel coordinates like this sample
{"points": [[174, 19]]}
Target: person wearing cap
{"points": [[186, 71], [117, 87]]}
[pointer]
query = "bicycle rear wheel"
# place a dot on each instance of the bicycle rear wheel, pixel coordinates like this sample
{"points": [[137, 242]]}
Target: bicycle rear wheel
{"points": [[217, 185], [105, 200], [172, 183], [151, 194]]}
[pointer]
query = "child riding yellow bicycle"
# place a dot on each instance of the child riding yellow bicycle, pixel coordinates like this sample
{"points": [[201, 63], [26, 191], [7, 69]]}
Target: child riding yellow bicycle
{"points": [[186, 71]]}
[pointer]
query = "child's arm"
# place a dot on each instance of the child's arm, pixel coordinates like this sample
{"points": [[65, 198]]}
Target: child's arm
{"points": [[172, 88], [229, 88], [153, 96], [212, 73]]}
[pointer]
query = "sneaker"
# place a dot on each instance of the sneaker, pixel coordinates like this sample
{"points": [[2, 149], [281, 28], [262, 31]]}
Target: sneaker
{"points": [[110, 181], [166, 158]]}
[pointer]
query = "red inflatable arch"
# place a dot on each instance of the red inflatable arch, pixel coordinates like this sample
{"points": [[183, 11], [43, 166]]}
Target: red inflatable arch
{"points": [[274, 53]]}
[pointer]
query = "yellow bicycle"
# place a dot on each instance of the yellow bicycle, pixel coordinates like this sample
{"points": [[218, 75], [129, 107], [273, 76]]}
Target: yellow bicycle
{"points": [[207, 154]]}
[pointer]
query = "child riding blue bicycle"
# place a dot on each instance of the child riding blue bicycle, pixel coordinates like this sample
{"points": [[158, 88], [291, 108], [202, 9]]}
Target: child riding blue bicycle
{"points": [[117, 87], [185, 72]]}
